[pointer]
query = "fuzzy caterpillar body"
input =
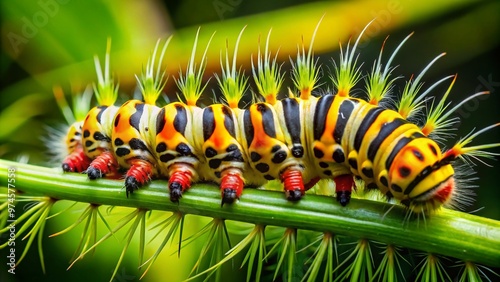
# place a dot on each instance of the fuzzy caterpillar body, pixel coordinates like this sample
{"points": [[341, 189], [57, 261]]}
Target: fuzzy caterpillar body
{"points": [[297, 140]]}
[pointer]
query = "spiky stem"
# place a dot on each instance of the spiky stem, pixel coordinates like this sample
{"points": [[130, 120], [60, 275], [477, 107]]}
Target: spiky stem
{"points": [[451, 233]]}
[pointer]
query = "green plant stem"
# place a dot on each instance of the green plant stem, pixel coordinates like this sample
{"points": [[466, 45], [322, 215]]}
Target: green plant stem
{"points": [[450, 233]]}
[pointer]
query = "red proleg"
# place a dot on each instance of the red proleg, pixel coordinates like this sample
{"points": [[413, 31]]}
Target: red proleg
{"points": [[139, 174], [76, 161], [293, 184], [343, 188], [179, 181], [104, 165], [231, 186]]}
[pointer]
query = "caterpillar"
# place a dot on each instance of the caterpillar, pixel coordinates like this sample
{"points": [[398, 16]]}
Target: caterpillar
{"points": [[298, 140]]}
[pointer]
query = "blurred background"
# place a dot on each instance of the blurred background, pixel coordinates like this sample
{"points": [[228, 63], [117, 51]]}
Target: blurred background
{"points": [[52, 42]]}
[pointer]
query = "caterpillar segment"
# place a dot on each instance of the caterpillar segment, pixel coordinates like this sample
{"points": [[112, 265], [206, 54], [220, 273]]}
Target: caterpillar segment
{"points": [[222, 155], [292, 121], [268, 150], [275, 137], [97, 142], [289, 143], [131, 135], [174, 138], [297, 140], [221, 131], [329, 157]]}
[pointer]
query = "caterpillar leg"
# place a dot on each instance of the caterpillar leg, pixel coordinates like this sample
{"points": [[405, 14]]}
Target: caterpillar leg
{"points": [[179, 181], [140, 173], [77, 161], [104, 165], [231, 185], [293, 184], [343, 187]]}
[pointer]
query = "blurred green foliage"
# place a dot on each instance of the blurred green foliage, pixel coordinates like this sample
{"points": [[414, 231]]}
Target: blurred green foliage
{"points": [[52, 42]]}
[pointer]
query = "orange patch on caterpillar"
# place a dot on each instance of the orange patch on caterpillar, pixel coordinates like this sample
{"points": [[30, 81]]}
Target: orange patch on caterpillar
{"points": [[220, 136], [305, 93], [343, 93], [427, 129], [271, 98]]}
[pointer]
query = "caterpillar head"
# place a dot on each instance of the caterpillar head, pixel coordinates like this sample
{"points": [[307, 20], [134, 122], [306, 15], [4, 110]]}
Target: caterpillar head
{"points": [[420, 178]]}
